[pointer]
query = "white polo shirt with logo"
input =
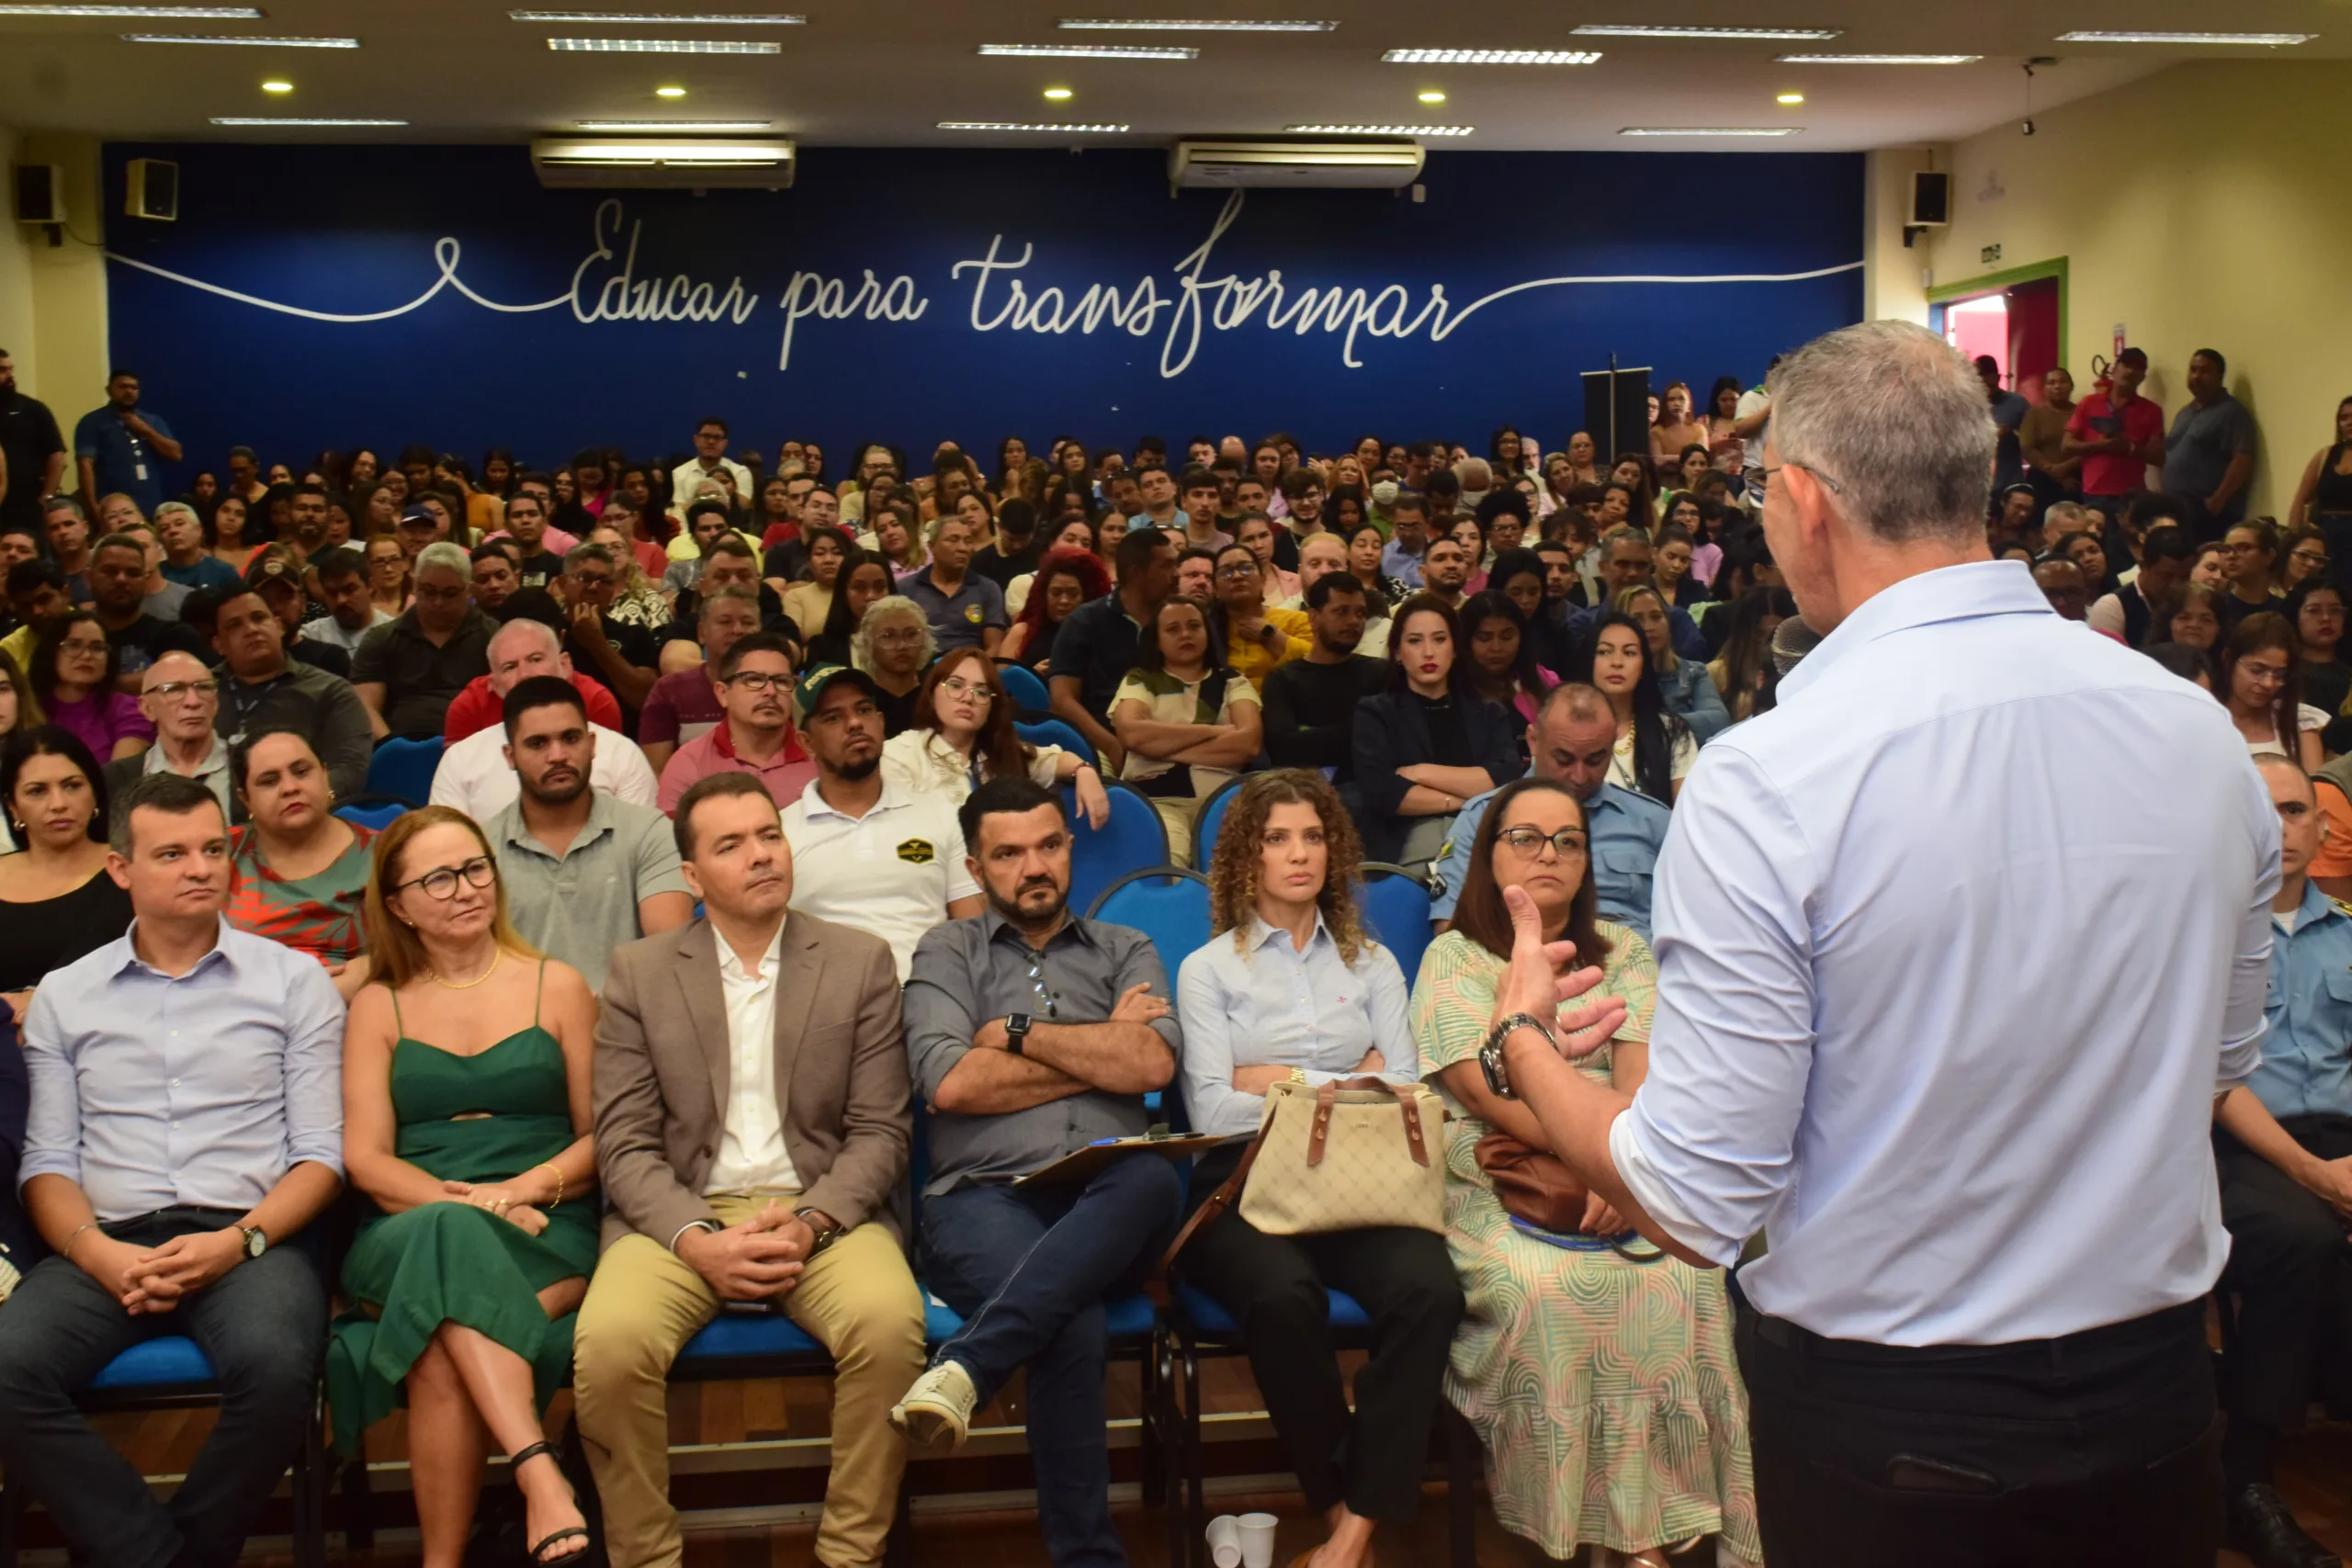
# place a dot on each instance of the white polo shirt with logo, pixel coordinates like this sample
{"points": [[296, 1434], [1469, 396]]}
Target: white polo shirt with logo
{"points": [[891, 873]]}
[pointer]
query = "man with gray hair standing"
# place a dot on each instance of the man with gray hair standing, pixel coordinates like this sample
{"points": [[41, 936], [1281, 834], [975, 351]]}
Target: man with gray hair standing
{"points": [[1961, 1061], [409, 671]]}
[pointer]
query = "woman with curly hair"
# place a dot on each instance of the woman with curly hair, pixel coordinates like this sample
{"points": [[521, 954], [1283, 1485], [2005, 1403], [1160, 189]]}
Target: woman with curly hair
{"points": [[1067, 577], [1290, 990]]}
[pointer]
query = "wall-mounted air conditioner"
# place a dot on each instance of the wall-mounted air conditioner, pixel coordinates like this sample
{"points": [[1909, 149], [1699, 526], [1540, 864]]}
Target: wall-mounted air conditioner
{"points": [[1364, 164], [619, 163]]}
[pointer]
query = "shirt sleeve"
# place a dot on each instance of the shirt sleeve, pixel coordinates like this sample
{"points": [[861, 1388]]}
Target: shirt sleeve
{"points": [[54, 1123], [368, 659], [85, 436], [2244, 1018], [314, 1017], [658, 867], [1712, 1131], [1389, 1000], [2107, 615], [657, 724], [1140, 965], [959, 871], [936, 1010], [634, 782], [992, 606], [1204, 1003], [1450, 861]]}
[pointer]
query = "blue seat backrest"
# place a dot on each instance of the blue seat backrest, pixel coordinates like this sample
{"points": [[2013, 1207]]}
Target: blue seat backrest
{"points": [[403, 769], [1134, 839], [1170, 907], [1397, 912], [1211, 819], [374, 816], [1027, 692], [1055, 732]]}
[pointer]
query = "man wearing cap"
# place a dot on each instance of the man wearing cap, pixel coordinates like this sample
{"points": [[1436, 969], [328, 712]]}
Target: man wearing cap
{"points": [[180, 696], [409, 671], [277, 576], [754, 682], [260, 688], [2119, 434], [865, 853]]}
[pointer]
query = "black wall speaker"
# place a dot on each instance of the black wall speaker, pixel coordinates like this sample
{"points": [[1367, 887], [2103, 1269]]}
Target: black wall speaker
{"points": [[41, 193], [1931, 200], [153, 190]]}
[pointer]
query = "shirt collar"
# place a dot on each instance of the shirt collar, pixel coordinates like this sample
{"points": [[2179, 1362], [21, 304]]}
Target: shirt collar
{"points": [[127, 957], [215, 760], [730, 964], [2316, 906], [1967, 592], [993, 925], [514, 829], [891, 798], [1261, 933], [723, 743]]}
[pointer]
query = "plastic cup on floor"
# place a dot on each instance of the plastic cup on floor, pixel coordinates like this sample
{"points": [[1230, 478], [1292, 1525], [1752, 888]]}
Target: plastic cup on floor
{"points": [[1225, 1542], [1257, 1533]]}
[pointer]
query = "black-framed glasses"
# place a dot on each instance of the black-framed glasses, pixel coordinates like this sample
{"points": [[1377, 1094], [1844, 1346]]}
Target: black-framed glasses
{"points": [[1047, 999], [441, 882], [1528, 842], [758, 681]]}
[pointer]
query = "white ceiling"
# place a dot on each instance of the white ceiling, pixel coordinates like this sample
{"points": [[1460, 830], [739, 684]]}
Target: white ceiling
{"points": [[869, 72]]}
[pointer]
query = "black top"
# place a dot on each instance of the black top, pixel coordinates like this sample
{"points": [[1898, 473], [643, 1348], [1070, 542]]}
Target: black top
{"points": [[899, 712], [1310, 712], [632, 642], [319, 654], [828, 648], [146, 640], [538, 570], [40, 937], [2332, 493], [317, 704], [2327, 686], [29, 436], [420, 680], [1003, 570], [1392, 731], [1097, 645], [1449, 741], [2235, 609], [17, 1232]]}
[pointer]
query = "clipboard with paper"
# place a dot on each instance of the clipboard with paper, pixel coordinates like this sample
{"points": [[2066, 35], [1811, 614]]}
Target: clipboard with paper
{"points": [[1081, 1164]]}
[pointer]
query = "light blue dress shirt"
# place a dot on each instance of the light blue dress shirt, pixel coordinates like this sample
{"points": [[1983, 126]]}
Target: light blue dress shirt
{"points": [[1626, 830], [1274, 1006], [1400, 563], [152, 1092], [1955, 1045], [2307, 1054]]}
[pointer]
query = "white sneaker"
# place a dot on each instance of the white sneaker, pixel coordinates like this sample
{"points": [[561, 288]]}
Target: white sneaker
{"points": [[937, 1411]]}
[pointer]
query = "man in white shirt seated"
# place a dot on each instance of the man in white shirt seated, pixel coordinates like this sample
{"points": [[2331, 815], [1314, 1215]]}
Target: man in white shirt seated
{"points": [[866, 853], [710, 455], [474, 776]]}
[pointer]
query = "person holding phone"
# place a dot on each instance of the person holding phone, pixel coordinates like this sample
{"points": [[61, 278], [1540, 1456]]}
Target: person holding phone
{"points": [[2119, 434]]}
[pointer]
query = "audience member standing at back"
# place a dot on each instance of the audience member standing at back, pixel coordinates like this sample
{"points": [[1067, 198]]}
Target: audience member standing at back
{"points": [[2208, 453]]}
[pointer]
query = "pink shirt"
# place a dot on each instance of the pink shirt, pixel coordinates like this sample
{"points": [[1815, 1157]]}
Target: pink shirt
{"points": [[786, 777]]}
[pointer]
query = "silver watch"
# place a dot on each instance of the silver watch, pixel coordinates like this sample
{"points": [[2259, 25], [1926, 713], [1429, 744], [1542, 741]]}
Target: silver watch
{"points": [[1490, 1054]]}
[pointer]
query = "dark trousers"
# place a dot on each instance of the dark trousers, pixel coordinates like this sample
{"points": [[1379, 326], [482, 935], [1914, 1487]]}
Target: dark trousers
{"points": [[1029, 1271], [1274, 1285], [264, 1326], [2094, 1450], [2290, 1273]]}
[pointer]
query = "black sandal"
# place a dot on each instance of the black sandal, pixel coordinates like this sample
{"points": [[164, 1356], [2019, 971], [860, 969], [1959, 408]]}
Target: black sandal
{"points": [[538, 1552]]}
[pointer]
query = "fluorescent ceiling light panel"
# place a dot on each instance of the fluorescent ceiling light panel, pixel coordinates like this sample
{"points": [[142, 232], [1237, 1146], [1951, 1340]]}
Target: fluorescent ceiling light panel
{"points": [[1090, 128], [1878, 59], [662, 46], [1819, 35], [1490, 57], [1091, 51], [690, 18], [254, 42], [1381, 129], [1194, 25], [2275, 40], [288, 119], [141, 13], [1711, 130], [657, 127]]}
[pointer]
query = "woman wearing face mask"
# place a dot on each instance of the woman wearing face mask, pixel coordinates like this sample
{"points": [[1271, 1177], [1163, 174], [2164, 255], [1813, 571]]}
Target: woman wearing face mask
{"points": [[1429, 743], [863, 582], [1655, 747], [57, 902], [1186, 719], [1067, 577], [963, 736]]}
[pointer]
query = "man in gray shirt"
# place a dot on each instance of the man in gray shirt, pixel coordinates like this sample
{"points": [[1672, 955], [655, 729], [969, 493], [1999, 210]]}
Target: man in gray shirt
{"points": [[1032, 1034], [2209, 456], [585, 871]]}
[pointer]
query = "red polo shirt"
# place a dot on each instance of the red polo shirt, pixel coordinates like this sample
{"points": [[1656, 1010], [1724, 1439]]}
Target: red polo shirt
{"points": [[474, 708]]}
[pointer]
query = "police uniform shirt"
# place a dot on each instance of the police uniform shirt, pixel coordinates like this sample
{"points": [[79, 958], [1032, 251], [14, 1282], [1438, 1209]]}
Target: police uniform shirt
{"points": [[2307, 1049]]}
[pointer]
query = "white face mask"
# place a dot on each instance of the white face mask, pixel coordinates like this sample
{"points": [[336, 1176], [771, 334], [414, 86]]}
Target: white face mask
{"points": [[1383, 491]]}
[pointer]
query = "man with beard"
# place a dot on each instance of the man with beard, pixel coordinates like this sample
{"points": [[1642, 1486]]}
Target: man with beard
{"points": [[866, 853], [585, 871], [753, 680], [474, 775], [1034, 1035]]}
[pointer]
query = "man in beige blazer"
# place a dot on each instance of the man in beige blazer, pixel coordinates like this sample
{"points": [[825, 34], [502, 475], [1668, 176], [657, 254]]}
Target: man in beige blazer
{"points": [[752, 1125]]}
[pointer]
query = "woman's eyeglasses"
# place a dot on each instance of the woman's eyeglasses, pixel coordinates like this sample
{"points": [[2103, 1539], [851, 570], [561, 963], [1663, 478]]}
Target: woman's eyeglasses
{"points": [[441, 882], [1528, 842], [955, 687]]}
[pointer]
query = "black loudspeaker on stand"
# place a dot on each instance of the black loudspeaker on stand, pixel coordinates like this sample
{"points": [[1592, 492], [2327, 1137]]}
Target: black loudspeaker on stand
{"points": [[1617, 410]]}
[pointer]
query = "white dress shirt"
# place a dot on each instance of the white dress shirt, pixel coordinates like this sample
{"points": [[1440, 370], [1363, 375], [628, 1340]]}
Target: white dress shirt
{"points": [[752, 1155], [1952, 1042], [474, 776]]}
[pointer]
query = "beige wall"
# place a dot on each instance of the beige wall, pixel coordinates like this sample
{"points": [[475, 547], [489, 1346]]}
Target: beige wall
{"points": [[1892, 286], [2202, 206], [59, 338]]}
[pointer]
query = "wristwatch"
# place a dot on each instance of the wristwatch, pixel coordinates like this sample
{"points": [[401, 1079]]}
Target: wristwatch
{"points": [[826, 1236], [1490, 1054], [1016, 1031], [256, 1242]]}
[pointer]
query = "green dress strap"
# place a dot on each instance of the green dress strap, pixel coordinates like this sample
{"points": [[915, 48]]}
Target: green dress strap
{"points": [[400, 1029], [540, 993]]}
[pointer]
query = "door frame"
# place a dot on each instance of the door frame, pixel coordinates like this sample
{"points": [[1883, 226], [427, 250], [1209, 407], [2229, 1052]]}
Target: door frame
{"points": [[1998, 282]]}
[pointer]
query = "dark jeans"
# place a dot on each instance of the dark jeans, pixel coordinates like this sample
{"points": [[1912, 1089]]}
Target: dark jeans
{"points": [[2094, 1450], [1273, 1286], [1029, 1271], [2290, 1271], [263, 1324]]}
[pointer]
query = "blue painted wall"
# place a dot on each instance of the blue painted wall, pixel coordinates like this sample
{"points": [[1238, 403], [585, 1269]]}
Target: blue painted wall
{"points": [[1329, 313]]}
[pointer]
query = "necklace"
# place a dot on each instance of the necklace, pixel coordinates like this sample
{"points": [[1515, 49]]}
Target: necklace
{"points": [[467, 985]]}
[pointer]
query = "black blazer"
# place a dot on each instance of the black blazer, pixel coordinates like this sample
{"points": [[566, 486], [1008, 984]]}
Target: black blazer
{"points": [[1392, 734]]}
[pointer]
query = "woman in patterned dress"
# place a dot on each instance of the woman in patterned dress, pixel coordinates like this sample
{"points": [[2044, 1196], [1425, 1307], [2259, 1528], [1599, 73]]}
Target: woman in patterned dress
{"points": [[300, 870], [1603, 1382]]}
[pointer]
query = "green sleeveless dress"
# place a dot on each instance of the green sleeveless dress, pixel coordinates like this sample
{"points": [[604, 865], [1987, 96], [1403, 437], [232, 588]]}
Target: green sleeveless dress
{"points": [[409, 1273]]}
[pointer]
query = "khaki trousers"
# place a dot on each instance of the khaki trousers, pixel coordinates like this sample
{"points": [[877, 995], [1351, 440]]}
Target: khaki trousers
{"points": [[857, 1298]]}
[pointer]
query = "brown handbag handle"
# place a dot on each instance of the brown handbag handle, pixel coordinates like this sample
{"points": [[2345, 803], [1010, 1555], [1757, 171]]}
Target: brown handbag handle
{"points": [[1416, 1139]]}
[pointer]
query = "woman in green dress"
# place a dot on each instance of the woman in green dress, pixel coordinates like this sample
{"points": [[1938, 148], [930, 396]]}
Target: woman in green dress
{"points": [[465, 1118], [1603, 1383]]}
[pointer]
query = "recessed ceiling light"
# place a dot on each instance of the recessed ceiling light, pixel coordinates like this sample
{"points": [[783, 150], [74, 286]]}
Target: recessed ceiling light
{"points": [[2272, 39], [669, 92], [278, 86], [1057, 93], [1604, 29], [255, 42], [692, 18], [656, 127], [1093, 50], [1790, 98], [200, 13], [289, 120], [1431, 96], [1087, 129], [1191, 25], [661, 46], [1711, 130], [1489, 57], [1878, 59], [1381, 129]]}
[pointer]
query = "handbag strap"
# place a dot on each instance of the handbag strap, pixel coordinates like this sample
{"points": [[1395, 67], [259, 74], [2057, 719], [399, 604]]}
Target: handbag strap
{"points": [[1228, 1193]]}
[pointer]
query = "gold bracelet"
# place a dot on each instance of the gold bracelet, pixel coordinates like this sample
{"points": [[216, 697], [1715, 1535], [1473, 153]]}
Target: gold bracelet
{"points": [[550, 1164], [66, 1251]]}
